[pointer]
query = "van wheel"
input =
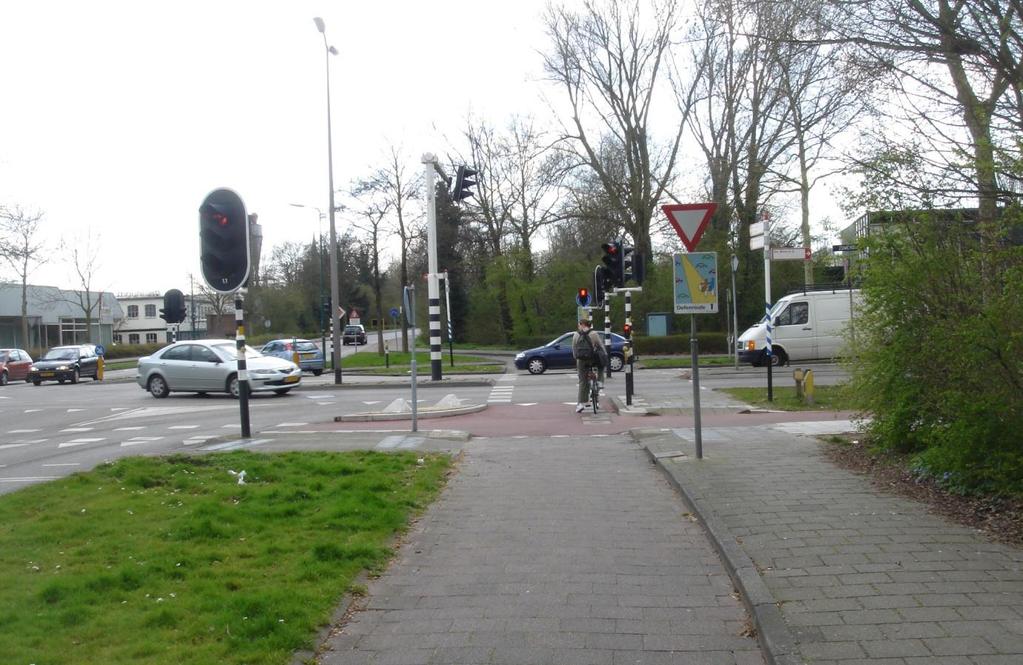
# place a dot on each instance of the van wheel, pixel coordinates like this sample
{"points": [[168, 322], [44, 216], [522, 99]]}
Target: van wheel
{"points": [[779, 358]]}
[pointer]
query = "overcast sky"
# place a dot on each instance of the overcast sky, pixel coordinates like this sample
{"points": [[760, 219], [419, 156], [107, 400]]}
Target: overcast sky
{"points": [[119, 117]]}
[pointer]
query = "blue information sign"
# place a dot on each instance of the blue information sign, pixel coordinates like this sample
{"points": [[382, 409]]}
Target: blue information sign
{"points": [[395, 313]]}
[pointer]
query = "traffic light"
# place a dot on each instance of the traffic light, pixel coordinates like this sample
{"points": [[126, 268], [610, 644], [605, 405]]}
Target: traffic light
{"points": [[582, 298], [224, 241], [173, 307], [633, 268], [627, 331], [601, 283], [463, 183], [612, 259]]}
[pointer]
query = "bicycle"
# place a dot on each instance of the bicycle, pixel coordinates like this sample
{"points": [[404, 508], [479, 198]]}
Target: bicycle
{"points": [[592, 379]]}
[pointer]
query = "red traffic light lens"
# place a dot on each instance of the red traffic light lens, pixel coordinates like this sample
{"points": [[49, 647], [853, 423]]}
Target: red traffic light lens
{"points": [[583, 293], [220, 218]]}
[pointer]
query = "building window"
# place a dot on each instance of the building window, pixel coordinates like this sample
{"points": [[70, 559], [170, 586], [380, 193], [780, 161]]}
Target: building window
{"points": [[150, 311], [133, 338], [117, 339], [133, 311], [150, 338]]}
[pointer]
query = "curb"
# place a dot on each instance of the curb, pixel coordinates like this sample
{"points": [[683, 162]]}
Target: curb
{"points": [[421, 414], [468, 383], [773, 633]]}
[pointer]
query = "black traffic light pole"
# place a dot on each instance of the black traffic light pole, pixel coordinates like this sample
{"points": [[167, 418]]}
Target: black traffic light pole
{"points": [[243, 372]]}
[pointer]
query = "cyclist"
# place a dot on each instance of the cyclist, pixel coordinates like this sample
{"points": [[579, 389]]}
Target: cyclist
{"points": [[588, 350]]}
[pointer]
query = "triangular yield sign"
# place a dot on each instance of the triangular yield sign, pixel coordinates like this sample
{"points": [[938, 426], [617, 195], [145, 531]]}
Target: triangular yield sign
{"points": [[690, 220]]}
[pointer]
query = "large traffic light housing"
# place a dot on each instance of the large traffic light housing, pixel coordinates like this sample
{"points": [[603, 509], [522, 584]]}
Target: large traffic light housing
{"points": [[463, 182], [612, 260], [224, 241], [633, 268], [601, 284], [173, 307]]}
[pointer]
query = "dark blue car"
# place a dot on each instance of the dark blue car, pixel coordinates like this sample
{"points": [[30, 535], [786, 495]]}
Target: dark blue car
{"points": [[558, 355]]}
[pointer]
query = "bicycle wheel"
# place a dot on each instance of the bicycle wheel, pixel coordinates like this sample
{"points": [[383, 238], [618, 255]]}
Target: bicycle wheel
{"points": [[594, 391]]}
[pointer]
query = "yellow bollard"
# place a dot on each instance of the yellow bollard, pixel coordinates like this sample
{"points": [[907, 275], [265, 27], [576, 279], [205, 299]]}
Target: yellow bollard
{"points": [[797, 374], [294, 352], [99, 368], [808, 386]]}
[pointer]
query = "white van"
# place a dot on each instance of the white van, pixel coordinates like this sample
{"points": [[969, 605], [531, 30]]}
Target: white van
{"points": [[807, 325]]}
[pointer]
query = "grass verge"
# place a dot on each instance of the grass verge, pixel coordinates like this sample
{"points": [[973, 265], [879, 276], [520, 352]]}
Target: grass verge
{"points": [[168, 560], [826, 398], [683, 362]]}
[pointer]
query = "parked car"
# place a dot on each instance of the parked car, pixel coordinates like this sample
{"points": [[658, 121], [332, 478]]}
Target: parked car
{"points": [[807, 325], [353, 334], [310, 358], [211, 366], [65, 363], [14, 364], [558, 354]]}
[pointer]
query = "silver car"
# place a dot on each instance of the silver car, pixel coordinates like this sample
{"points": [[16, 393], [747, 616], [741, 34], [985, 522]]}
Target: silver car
{"points": [[211, 366]]}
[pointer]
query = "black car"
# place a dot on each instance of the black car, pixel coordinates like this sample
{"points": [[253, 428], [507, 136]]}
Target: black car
{"points": [[65, 363], [353, 334]]}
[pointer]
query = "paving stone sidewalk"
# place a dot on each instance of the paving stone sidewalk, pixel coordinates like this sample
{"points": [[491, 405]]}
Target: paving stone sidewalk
{"points": [[860, 576], [552, 551]]}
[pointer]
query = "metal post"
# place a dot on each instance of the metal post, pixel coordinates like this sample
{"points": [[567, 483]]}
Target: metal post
{"points": [[335, 296], [409, 297], [628, 346], [607, 330], [735, 309], [451, 326], [767, 306], [694, 347], [243, 372], [433, 288]]}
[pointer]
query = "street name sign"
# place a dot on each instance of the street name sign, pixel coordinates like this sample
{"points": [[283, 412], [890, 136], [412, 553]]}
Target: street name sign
{"points": [[790, 253], [696, 282], [843, 248], [690, 221]]}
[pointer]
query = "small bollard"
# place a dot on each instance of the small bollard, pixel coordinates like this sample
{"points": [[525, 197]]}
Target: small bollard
{"points": [[387, 355], [797, 374], [808, 387]]}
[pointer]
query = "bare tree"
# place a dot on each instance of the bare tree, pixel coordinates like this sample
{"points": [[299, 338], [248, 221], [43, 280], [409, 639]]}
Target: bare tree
{"points": [[220, 303], [957, 68], [83, 258], [397, 190], [373, 214], [23, 251], [610, 59]]}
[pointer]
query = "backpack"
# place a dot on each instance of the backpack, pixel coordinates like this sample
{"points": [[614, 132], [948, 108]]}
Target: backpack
{"points": [[582, 348]]}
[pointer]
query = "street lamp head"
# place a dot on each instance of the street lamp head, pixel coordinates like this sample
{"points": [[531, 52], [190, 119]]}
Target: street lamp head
{"points": [[332, 50], [320, 25]]}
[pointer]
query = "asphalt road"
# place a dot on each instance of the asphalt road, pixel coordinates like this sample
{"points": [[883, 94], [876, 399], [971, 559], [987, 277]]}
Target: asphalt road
{"points": [[53, 430]]}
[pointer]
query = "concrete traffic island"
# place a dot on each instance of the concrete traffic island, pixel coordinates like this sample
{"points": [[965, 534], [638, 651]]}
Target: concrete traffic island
{"points": [[401, 409]]}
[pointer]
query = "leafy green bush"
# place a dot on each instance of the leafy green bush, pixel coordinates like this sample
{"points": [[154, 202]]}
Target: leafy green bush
{"points": [[115, 351], [940, 337]]}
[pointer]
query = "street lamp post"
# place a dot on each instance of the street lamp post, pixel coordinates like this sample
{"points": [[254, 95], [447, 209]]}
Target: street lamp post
{"points": [[319, 257], [335, 337]]}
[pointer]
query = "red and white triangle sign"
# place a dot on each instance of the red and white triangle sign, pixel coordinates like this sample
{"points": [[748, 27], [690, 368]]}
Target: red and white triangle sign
{"points": [[690, 220]]}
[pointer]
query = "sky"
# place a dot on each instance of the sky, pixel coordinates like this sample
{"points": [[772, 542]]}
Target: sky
{"points": [[119, 117]]}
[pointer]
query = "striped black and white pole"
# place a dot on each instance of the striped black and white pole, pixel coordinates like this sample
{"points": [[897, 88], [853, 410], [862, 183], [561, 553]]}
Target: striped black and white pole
{"points": [[433, 288], [628, 348], [607, 330], [768, 351], [243, 372], [447, 311]]}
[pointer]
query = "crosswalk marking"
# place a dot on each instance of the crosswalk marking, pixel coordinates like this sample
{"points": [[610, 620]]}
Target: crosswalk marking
{"points": [[183, 427], [291, 424], [127, 429], [77, 429], [13, 445], [134, 441], [22, 431]]}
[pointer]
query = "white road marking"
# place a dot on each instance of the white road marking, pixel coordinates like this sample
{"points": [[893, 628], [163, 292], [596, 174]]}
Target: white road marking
{"points": [[22, 431], [65, 464], [118, 408], [13, 445], [231, 426], [79, 442], [376, 401], [31, 410], [244, 443], [319, 395], [74, 410], [77, 429], [134, 441], [291, 424], [527, 404], [27, 479], [191, 441], [127, 429], [183, 427]]}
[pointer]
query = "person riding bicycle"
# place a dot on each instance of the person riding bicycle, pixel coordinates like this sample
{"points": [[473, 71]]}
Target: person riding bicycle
{"points": [[588, 351]]}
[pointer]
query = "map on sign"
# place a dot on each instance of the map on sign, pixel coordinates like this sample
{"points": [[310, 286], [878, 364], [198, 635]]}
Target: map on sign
{"points": [[696, 283]]}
